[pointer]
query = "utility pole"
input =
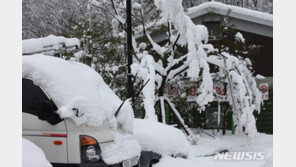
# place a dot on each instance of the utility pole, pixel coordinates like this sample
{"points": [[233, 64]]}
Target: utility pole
{"points": [[130, 90]]}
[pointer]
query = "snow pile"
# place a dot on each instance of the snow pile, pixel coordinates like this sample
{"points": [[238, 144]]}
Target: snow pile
{"points": [[32, 155], [218, 7], [239, 37], [51, 42], [124, 147], [78, 91], [160, 138]]}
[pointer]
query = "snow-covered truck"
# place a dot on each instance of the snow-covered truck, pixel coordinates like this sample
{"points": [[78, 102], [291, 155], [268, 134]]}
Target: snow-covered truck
{"points": [[69, 112]]}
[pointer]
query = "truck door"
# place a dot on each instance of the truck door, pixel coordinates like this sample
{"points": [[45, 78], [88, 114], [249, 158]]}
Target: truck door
{"points": [[52, 139], [41, 124]]}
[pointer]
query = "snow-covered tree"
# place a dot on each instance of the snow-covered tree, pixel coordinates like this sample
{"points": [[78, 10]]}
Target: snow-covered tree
{"points": [[161, 64], [41, 18], [99, 49]]}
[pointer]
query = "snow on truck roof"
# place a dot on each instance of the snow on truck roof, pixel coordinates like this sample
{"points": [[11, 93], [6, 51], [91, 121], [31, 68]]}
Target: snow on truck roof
{"points": [[235, 11], [74, 86]]}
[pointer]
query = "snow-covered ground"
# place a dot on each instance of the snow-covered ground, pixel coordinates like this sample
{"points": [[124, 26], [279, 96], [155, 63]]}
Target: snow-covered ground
{"points": [[202, 154]]}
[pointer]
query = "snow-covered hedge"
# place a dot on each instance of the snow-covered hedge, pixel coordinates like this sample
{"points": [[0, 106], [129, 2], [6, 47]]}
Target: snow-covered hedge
{"points": [[160, 138], [32, 155], [74, 86]]}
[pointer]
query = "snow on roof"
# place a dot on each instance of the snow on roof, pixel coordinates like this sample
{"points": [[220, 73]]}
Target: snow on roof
{"points": [[235, 11], [160, 138], [75, 86], [38, 45], [32, 155]]}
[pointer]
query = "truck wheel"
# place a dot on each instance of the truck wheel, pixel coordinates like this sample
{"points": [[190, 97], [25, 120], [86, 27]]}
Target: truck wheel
{"points": [[153, 161], [148, 158]]}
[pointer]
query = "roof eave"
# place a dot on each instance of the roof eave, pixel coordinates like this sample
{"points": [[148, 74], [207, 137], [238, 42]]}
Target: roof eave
{"points": [[230, 13]]}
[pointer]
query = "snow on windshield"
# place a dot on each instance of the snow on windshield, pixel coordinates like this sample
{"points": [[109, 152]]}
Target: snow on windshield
{"points": [[79, 92]]}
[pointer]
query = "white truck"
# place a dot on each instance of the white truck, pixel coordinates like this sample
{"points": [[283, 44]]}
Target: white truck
{"points": [[68, 111]]}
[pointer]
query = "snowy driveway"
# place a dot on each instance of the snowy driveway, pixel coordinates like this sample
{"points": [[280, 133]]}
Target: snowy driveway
{"points": [[199, 154]]}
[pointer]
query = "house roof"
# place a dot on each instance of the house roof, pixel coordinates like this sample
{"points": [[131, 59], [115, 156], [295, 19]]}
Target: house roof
{"points": [[243, 19], [231, 11]]}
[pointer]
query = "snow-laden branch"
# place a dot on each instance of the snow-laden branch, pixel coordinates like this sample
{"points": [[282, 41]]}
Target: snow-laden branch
{"points": [[145, 70], [242, 92], [157, 48], [191, 137]]}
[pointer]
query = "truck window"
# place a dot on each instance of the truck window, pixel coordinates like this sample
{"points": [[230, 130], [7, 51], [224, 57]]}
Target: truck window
{"points": [[35, 102]]}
